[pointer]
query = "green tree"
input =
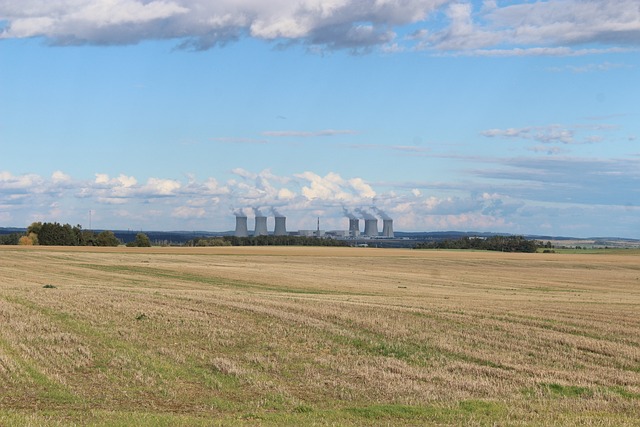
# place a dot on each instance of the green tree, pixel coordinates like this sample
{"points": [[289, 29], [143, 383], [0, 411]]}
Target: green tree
{"points": [[10, 239], [34, 228], [88, 238], [106, 238], [141, 241], [53, 233]]}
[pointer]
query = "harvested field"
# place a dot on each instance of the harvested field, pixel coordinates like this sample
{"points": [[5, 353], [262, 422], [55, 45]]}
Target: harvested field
{"points": [[317, 336]]}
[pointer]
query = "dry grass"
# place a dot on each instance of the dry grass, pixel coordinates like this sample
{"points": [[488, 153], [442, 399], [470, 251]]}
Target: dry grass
{"points": [[326, 336]]}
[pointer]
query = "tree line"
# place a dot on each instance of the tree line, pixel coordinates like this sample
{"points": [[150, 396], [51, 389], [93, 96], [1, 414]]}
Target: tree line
{"points": [[56, 234], [264, 241], [494, 243]]}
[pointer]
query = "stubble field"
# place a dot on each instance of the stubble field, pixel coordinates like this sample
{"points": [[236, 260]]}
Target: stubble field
{"points": [[317, 336]]}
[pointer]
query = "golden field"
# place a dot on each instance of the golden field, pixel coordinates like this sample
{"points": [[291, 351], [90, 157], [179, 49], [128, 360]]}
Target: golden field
{"points": [[317, 336]]}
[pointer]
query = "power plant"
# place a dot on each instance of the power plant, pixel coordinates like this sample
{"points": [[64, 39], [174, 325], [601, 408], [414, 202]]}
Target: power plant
{"points": [[353, 232], [241, 226], [387, 228], [354, 227], [261, 226], [281, 226], [371, 227]]}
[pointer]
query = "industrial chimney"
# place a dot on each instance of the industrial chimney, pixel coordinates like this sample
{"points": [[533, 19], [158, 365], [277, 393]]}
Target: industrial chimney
{"points": [[387, 228], [241, 226], [354, 227], [281, 226], [261, 226], [371, 227]]}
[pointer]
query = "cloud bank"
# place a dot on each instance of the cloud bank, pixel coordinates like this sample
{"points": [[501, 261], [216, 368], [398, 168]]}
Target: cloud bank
{"points": [[562, 195], [553, 27], [202, 24]]}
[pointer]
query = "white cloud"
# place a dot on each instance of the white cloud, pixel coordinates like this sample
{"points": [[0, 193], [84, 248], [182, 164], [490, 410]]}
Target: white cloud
{"points": [[102, 178], [552, 27], [546, 134], [511, 195], [549, 28], [547, 149], [126, 181], [201, 24], [363, 189], [26, 182], [570, 22], [111, 200], [59, 177], [160, 187], [186, 212], [329, 187], [244, 173], [462, 33], [116, 12], [553, 134], [286, 194], [213, 187]]}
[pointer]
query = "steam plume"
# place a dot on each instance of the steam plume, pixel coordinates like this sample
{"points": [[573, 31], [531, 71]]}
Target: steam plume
{"points": [[380, 213]]}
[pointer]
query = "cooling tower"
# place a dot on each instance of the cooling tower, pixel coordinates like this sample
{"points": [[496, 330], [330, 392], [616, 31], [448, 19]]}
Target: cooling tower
{"points": [[241, 226], [281, 226], [371, 227], [354, 227], [387, 228], [261, 226]]}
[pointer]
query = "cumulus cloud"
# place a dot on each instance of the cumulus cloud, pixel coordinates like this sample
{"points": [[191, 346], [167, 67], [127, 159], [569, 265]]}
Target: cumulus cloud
{"points": [[160, 187], [20, 183], [553, 27], [329, 187], [59, 177], [497, 196], [186, 212], [363, 189], [201, 24], [332, 188]]}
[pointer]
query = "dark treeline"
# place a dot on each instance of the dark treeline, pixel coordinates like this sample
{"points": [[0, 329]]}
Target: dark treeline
{"points": [[10, 239], [55, 234], [264, 241], [494, 243]]}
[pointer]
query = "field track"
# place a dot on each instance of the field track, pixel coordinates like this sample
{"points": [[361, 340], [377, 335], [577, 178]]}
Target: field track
{"points": [[317, 336]]}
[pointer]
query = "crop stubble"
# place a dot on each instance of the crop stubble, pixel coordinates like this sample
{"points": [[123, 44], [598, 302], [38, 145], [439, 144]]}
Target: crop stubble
{"points": [[328, 335]]}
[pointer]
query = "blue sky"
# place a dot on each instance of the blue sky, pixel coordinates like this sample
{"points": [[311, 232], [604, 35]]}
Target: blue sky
{"points": [[503, 116]]}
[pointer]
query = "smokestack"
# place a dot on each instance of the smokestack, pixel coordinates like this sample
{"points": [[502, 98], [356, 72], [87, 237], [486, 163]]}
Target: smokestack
{"points": [[387, 228], [281, 226], [371, 227], [241, 226], [261, 226], [354, 227]]}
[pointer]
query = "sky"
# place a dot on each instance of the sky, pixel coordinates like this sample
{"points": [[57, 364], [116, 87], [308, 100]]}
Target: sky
{"points": [[515, 117]]}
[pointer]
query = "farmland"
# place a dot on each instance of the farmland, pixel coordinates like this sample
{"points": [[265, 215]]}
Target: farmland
{"points": [[317, 336]]}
